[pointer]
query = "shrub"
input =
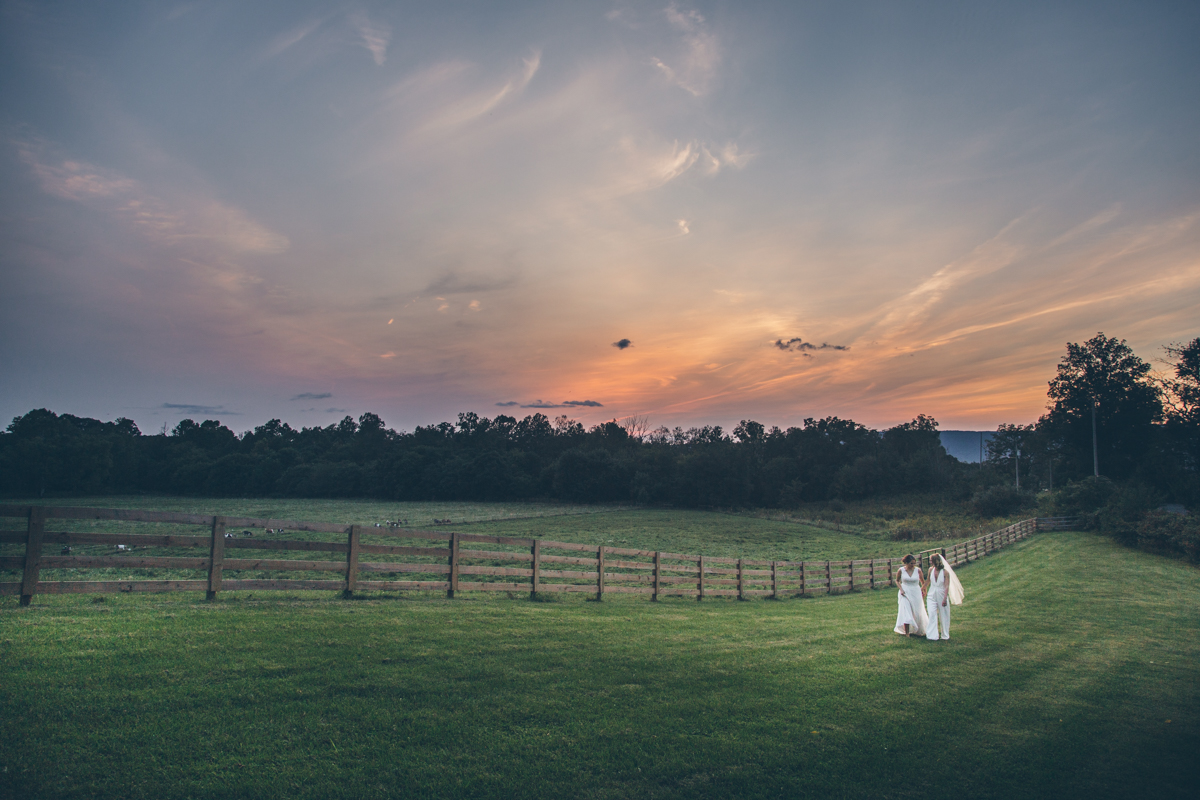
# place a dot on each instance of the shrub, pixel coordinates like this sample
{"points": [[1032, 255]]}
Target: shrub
{"points": [[1125, 510], [1165, 532], [1083, 497], [1000, 501]]}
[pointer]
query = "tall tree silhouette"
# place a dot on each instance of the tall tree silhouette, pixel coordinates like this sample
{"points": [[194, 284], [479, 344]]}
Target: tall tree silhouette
{"points": [[1102, 374]]}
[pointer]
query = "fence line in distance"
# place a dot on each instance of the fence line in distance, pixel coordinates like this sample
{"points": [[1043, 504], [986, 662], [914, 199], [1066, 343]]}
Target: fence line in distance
{"points": [[367, 559]]}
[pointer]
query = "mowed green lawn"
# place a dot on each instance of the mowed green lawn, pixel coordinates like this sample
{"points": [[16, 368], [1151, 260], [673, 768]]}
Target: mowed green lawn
{"points": [[1073, 671]]}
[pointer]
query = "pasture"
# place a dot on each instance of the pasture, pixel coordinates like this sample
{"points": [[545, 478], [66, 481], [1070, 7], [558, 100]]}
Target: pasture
{"points": [[1072, 672], [679, 530]]}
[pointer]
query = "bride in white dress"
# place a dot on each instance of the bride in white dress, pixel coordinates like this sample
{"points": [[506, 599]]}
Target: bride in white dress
{"points": [[944, 590], [911, 617]]}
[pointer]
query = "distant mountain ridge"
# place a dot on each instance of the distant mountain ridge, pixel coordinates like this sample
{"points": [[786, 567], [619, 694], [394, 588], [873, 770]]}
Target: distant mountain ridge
{"points": [[965, 445]]}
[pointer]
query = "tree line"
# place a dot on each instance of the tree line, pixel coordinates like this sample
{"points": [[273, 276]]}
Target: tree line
{"points": [[1146, 435], [477, 458], [1118, 447]]}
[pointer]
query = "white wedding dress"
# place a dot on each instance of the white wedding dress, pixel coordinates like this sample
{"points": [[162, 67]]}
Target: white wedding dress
{"points": [[937, 615], [912, 605]]}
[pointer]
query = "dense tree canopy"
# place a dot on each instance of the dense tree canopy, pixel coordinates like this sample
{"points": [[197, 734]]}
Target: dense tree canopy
{"points": [[1148, 433], [1103, 376], [478, 458]]}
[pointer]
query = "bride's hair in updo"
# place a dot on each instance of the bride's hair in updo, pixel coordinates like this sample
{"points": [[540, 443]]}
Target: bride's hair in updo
{"points": [[909, 559], [936, 560]]}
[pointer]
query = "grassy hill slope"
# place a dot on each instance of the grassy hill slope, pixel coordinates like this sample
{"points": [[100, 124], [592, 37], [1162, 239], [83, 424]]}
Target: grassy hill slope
{"points": [[1072, 671]]}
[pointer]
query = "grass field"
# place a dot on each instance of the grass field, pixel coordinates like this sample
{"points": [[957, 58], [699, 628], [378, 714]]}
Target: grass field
{"points": [[1073, 672], [749, 535]]}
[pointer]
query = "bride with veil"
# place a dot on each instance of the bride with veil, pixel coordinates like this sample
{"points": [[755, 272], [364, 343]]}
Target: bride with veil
{"points": [[943, 590]]}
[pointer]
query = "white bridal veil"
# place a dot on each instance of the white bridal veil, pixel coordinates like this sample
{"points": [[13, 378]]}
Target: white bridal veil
{"points": [[952, 583], [955, 588]]}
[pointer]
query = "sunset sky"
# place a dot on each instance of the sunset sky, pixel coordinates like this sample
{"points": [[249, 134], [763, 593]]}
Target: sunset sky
{"points": [[696, 213]]}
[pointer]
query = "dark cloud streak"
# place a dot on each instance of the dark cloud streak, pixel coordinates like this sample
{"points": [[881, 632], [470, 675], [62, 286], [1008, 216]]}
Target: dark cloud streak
{"points": [[191, 408], [454, 283], [798, 345], [544, 404]]}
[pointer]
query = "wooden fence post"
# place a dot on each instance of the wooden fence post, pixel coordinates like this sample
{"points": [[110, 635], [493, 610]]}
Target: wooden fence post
{"points": [[352, 542], [852, 574], [741, 583], [536, 550], [828, 577], [33, 553], [774, 580], [453, 565], [600, 573], [657, 572], [700, 596], [216, 558], [803, 580], [871, 574]]}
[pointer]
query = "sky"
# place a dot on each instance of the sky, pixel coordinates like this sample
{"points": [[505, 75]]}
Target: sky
{"points": [[686, 213]]}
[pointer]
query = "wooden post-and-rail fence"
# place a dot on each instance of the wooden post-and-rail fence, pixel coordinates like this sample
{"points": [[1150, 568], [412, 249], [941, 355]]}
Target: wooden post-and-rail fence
{"points": [[370, 558]]}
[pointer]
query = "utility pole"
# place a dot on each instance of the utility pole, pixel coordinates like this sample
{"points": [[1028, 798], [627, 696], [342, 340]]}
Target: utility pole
{"points": [[1017, 465], [1095, 452]]}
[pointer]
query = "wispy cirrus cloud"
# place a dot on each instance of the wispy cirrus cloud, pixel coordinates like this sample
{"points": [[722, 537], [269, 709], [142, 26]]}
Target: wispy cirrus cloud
{"points": [[128, 200], [648, 165], [695, 65], [313, 396], [376, 36], [474, 104], [291, 37], [74, 180]]}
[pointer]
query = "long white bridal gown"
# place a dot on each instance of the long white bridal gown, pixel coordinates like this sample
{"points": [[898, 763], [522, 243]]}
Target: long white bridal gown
{"points": [[936, 612], [912, 605]]}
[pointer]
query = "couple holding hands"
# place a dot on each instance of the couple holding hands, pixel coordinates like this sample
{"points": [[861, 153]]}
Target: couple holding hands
{"points": [[925, 602]]}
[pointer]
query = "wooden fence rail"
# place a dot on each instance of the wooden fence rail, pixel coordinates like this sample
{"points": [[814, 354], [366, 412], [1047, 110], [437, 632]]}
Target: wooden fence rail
{"points": [[369, 558]]}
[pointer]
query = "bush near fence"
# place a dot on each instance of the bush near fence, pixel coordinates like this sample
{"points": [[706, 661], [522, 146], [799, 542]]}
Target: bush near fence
{"points": [[223, 557]]}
